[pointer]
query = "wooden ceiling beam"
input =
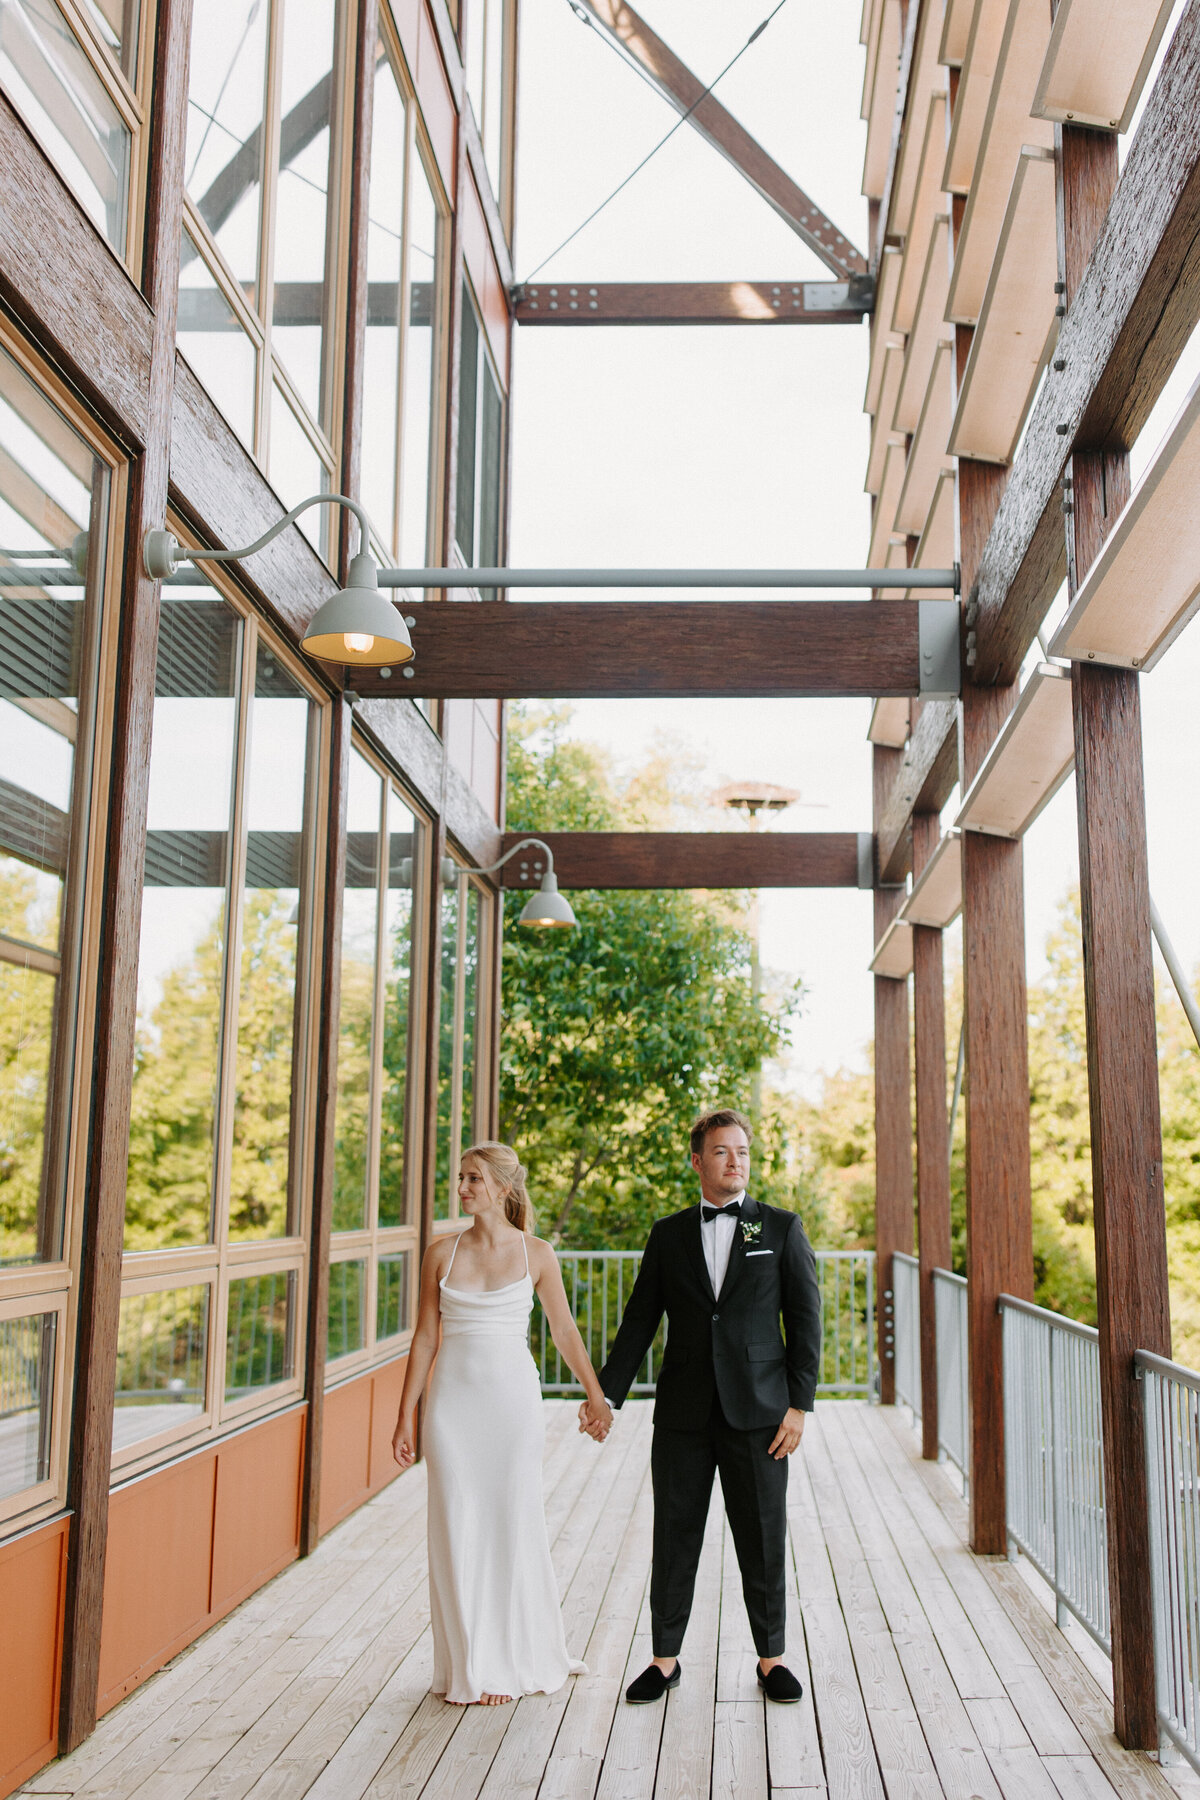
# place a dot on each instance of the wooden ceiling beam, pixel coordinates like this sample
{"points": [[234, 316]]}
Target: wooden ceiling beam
{"points": [[685, 91], [693, 302], [695, 859], [489, 650]]}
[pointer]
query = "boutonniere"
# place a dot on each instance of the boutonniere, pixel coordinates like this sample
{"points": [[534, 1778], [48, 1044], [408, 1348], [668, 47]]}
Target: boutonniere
{"points": [[751, 1230]]}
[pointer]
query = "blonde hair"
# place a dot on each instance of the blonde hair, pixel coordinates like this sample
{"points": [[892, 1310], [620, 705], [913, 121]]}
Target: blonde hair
{"points": [[505, 1166]]}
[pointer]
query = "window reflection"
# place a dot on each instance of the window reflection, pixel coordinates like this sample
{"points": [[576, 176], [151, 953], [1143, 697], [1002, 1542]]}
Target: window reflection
{"points": [[273, 904], [360, 915], [52, 522], [212, 338], [26, 1390], [162, 1356], [181, 969], [116, 23], [421, 314], [260, 1332], [297, 471], [397, 977], [49, 78], [458, 1037], [392, 1307], [302, 195], [347, 1308], [226, 113]]}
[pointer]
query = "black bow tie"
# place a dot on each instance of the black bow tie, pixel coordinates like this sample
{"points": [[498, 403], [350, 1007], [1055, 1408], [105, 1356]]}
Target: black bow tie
{"points": [[732, 1211]]}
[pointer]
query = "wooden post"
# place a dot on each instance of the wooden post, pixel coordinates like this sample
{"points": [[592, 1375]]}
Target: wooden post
{"points": [[893, 1116], [104, 1215], [933, 1141], [1127, 1180], [325, 1136]]}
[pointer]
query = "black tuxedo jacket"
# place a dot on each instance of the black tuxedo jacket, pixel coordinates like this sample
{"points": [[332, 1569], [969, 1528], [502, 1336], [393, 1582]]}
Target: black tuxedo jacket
{"points": [[729, 1344]]}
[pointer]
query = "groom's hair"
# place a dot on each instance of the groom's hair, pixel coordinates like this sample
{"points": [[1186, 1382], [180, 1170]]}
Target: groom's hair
{"points": [[715, 1121]]}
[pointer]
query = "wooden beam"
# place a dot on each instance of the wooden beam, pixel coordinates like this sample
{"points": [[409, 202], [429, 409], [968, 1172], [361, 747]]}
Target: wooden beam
{"points": [[694, 302], [676, 83], [570, 649], [924, 779], [120, 930], [932, 1134], [1130, 317], [689, 859]]}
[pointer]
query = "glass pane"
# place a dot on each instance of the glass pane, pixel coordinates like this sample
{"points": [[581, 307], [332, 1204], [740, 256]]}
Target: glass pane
{"points": [[302, 196], [470, 1009], [447, 1140], [212, 339], [275, 900], [490, 476], [26, 1399], [398, 928], [392, 1305], [46, 74], [181, 971], [116, 23], [260, 1333], [418, 401], [297, 471], [226, 106], [347, 1308], [360, 915], [381, 384], [464, 506], [473, 57], [162, 1354], [492, 122], [47, 477]]}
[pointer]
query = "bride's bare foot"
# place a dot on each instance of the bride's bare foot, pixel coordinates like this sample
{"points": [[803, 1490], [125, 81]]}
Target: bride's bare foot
{"points": [[494, 1699]]}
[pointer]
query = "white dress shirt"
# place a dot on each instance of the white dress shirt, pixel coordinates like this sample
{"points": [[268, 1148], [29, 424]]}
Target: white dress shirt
{"points": [[717, 1238]]}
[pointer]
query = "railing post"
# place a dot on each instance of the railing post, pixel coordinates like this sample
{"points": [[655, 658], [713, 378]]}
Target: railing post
{"points": [[933, 1138], [893, 1111]]}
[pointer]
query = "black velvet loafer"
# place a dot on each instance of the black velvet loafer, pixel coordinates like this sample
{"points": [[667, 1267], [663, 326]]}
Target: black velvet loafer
{"points": [[651, 1684], [780, 1684]]}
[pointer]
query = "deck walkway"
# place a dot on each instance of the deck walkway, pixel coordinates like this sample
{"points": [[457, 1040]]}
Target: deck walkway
{"points": [[927, 1672]]}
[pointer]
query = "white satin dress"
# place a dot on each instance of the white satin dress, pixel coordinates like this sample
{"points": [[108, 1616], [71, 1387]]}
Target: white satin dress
{"points": [[493, 1600]]}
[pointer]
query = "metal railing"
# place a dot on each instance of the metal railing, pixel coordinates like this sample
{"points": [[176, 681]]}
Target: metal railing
{"points": [[599, 1282], [906, 1291], [1171, 1406], [954, 1412], [1054, 1458]]}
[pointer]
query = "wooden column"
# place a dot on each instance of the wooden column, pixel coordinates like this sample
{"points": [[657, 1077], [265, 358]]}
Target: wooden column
{"points": [[104, 1214], [1127, 1180], [325, 1136], [933, 1141], [893, 1116]]}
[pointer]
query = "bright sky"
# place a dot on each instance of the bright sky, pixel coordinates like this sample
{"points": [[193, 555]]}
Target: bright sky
{"points": [[739, 446]]}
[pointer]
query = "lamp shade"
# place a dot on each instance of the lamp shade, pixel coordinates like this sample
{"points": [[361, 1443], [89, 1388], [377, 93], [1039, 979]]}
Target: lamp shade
{"points": [[359, 625], [547, 906]]}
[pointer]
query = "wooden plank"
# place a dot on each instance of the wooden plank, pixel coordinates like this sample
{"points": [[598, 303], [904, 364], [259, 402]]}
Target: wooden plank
{"points": [[120, 933], [687, 859], [932, 1130], [739, 1750], [1019, 1771], [793, 1741], [693, 303], [706, 115], [1133, 311], [923, 781], [685, 1758], [572, 649]]}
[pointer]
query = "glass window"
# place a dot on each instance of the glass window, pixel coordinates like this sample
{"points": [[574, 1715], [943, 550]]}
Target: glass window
{"points": [[116, 25], [360, 915], [53, 500], [459, 1038], [54, 83], [487, 81], [478, 483], [181, 968], [397, 990], [260, 1347], [421, 314], [347, 1308], [296, 470], [227, 104], [213, 339], [162, 1362], [393, 1305], [299, 309], [26, 1387]]}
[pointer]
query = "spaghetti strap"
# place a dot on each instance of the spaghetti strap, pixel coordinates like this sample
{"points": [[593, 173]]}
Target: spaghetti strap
{"points": [[457, 1240], [525, 1248]]}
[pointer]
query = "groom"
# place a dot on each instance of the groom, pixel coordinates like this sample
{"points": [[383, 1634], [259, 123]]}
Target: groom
{"points": [[731, 1394]]}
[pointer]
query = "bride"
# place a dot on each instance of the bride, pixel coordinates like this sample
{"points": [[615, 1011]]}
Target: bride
{"points": [[493, 1600]]}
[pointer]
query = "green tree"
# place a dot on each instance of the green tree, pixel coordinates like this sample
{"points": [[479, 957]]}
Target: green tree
{"points": [[617, 1033], [26, 1019]]}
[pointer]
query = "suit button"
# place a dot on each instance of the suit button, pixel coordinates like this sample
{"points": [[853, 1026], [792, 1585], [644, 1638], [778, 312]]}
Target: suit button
{"points": [[716, 1316]]}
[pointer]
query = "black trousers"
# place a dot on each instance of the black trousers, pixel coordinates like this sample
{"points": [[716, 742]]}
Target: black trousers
{"points": [[754, 1487]]}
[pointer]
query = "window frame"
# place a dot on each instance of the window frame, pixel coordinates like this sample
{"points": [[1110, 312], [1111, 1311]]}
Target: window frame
{"points": [[467, 1131], [485, 366]]}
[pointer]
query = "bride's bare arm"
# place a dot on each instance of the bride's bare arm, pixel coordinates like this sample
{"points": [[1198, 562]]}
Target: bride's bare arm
{"points": [[570, 1346], [421, 1352]]}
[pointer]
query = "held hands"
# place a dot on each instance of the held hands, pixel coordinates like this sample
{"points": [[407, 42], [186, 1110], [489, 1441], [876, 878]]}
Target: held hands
{"points": [[404, 1442], [595, 1418], [790, 1432]]}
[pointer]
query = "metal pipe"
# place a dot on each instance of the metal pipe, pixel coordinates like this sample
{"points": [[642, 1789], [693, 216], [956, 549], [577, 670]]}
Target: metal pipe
{"points": [[1175, 967], [669, 578]]}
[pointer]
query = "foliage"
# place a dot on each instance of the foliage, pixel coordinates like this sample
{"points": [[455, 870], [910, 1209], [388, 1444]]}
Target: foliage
{"points": [[26, 1011], [617, 1033]]}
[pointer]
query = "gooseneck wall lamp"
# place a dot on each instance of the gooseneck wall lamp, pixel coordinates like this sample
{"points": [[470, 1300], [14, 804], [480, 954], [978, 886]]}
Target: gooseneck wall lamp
{"points": [[357, 625], [547, 906]]}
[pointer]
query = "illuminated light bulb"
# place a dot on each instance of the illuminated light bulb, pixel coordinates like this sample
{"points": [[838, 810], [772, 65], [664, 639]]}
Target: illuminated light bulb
{"points": [[361, 641]]}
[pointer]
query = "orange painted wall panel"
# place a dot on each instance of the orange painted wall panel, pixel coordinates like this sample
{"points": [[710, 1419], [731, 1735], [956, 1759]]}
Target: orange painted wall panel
{"points": [[345, 1450], [485, 276], [257, 1519], [389, 1383], [32, 1570]]}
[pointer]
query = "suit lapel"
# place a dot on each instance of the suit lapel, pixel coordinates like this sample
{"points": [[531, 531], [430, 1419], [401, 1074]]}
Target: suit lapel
{"points": [[737, 1253], [691, 1235]]}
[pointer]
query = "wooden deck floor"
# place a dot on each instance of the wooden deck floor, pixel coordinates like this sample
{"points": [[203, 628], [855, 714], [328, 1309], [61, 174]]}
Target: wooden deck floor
{"points": [[927, 1672]]}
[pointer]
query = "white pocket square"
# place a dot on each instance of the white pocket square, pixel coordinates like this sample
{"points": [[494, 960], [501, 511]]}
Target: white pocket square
{"points": [[760, 1253]]}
